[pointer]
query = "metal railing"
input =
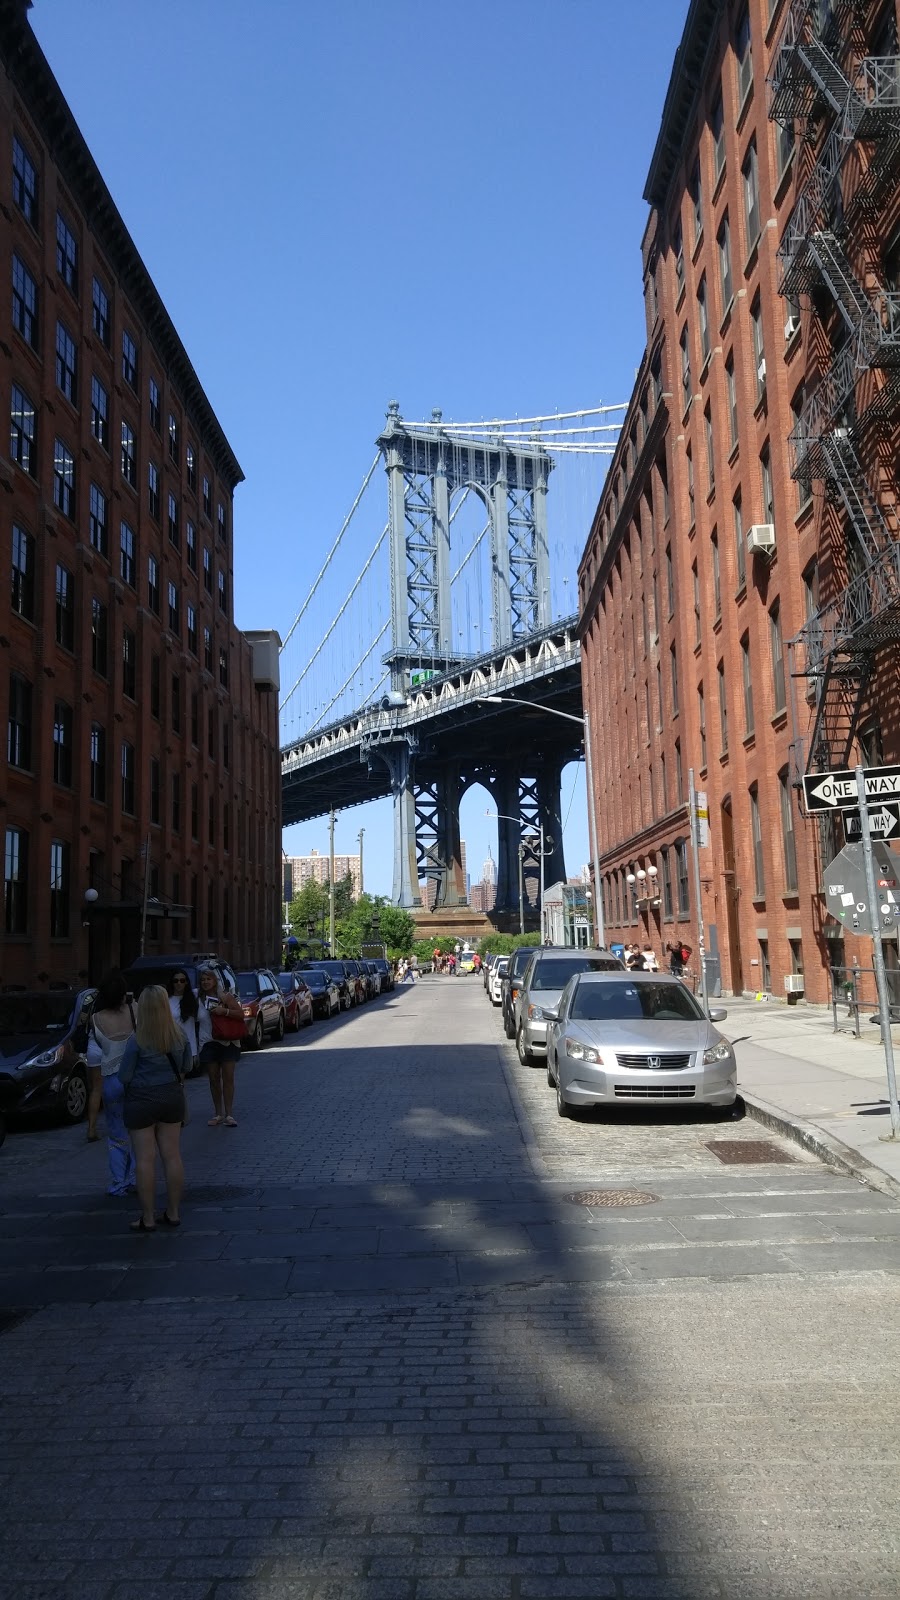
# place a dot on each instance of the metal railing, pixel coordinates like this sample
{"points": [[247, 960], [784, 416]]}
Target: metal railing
{"points": [[847, 620]]}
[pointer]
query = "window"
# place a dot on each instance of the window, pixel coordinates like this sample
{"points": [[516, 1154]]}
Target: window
{"points": [[670, 582], [695, 580], [191, 465], [210, 911], [192, 629], [723, 240], [99, 637], [154, 791], [15, 882], [153, 490], [25, 303], [747, 682], [65, 608], [759, 874], [207, 650], [731, 392], [220, 519], [211, 819], [223, 666], [173, 438], [810, 591], [98, 762], [155, 687], [710, 451], [195, 812], [66, 363], [679, 774], [129, 360], [717, 127], [804, 481], [788, 840], [765, 477], [701, 717], [18, 737], [129, 664], [176, 802], [681, 875], [153, 584], [723, 708], [685, 369], [66, 254], [190, 540], [226, 745], [778, 694], [678, 252], [100, 312], [22, 431], [195, 720], [211, 732], [703, 319], [673, 672], [784, 148], [22, 598], [195, 899], [223, 592], [744, 56], [63, 479], [740, 551], [175, 703], [99, 413], [226, 827], [127, 562], [689, 457], [60, 889], [666, 875], [129, 456], [154, 405], [98, 521], [62, 744], [696, 190], [174, 531], [759, 353], [25, 183], [207, 498], [174, 617], [750, 174], [128, 778], [716, 574], [207, 570]]}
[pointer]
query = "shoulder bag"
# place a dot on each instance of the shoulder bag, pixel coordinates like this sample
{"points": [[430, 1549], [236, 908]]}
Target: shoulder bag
{"points": [[186, 1113]]}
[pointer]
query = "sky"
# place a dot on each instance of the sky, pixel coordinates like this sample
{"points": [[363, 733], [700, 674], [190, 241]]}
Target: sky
{"points": [[347, 204]]}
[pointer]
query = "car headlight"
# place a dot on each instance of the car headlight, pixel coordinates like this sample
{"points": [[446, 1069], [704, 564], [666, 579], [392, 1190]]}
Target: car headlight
{"points": [[576, 1051], [247, 1010], [45, 1058], [716, 1052], [535, 1013]]}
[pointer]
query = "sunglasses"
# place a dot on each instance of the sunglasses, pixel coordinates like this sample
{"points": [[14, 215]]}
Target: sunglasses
{"points": [[179, 980]]}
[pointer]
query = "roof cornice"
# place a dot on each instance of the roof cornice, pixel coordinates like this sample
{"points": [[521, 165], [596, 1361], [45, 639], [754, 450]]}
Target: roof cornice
{"points": [[681, 96]]}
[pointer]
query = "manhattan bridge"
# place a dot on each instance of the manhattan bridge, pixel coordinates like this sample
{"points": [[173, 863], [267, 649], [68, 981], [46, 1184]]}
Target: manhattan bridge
{"points": [[408, 678]]}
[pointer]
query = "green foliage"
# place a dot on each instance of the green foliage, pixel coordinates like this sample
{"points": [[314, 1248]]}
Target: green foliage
{"points": [[373, 920], [505, 943]]}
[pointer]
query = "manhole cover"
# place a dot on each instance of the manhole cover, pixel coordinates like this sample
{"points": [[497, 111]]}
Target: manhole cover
{"points": [[748, 1152], [611, 1197]]}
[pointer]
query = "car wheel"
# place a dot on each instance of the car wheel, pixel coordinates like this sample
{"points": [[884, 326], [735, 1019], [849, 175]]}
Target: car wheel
{"points": [[256, 1038], [550, 1078], [509, 1027], [279, 1031], [562, 1105], [74, 1098], [524, 1054]]}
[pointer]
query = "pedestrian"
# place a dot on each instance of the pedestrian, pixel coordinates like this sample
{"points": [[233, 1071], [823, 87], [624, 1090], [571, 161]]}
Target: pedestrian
{"points": [[222, 1051], [633, 958], [152, 1071], [676, 964], [195, 1023], [110, 1028]]}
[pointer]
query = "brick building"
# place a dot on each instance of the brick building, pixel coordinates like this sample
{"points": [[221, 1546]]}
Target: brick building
{"points": [[739, 591], [142, 745]]}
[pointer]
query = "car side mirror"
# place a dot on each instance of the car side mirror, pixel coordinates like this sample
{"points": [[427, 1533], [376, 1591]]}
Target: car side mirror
{"points": [[718, 1014], [551, 1013]]}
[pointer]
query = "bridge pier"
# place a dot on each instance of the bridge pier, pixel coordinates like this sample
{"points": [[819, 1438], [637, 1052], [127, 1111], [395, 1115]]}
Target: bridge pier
{"points": [[399, 759]]}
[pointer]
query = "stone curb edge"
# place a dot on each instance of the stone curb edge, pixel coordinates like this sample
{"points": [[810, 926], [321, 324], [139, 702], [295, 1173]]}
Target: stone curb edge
{"points": [[833, 1152], [538, 1164]]}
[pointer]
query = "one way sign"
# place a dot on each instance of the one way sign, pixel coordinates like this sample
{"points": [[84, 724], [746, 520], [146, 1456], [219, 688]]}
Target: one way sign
{"points": [[884, 822], [830, 791]]}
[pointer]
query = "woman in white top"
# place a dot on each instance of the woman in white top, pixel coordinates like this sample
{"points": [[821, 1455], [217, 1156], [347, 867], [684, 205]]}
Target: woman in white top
{"points": [[193, 1019], [111, 1026]]}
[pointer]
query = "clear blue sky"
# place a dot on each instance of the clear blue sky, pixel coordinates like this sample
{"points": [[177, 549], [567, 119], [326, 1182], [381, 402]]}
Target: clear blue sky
{"points": [[347, 203]]}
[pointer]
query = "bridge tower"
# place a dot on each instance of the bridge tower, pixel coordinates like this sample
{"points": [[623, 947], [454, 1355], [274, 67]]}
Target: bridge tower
{"points": [[426, 464]]}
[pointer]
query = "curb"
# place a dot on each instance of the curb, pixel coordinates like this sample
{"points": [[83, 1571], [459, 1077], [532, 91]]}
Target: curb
{"points": [[832, 1152], [532, 1149]]}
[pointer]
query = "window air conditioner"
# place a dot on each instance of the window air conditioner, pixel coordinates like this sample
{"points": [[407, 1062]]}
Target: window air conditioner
{"points": [[761, 370], [793, 983], [761, 539], [790, 327]]}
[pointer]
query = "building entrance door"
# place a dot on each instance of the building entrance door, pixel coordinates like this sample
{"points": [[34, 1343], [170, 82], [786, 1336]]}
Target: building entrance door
{"points": [[732, 897]]}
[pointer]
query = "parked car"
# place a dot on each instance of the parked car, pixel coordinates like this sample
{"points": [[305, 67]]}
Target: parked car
{"points": [[43, 1052], [263, 1005], [373, 975], [498, 973], [298, 1004], [358, 981], [324, 992], [159, 969], [636, 1039], [386, 972], [466, 961], [336, 971], [509, 988], [543, 981], [489, 960]]}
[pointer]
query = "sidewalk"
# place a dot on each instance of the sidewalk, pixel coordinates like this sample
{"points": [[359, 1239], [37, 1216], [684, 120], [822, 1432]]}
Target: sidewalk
{"points": [[828, 1090]]}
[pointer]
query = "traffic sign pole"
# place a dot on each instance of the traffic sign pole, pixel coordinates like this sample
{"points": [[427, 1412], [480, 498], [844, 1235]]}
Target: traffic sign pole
{"points": [[884, 1000], [695, 855]]}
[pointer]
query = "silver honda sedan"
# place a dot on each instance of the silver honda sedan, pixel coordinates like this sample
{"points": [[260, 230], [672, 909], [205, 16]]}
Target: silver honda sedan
{"points": [[636, 1039]]}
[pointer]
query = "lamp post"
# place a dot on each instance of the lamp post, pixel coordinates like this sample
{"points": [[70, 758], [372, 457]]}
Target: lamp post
{"points": [[523, 822], [585, 723]]}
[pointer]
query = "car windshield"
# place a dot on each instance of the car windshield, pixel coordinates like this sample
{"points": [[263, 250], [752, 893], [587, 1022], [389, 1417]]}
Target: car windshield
{"points": [[35, 1013], [502, 968], [634, 1002], [519, 962], [247, 985], [555, 974], [335, 969], [314, 979], [286, 982]]}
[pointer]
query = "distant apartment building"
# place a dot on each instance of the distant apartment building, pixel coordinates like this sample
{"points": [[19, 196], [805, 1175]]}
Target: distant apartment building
{"points": [[740, 587], [316, 868]]}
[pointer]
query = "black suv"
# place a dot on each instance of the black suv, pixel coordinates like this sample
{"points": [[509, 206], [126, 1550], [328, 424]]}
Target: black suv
{"points": [[159, 969], [43, 1052]]}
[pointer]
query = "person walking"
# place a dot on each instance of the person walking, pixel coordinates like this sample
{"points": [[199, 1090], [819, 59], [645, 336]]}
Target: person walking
{"points": [[676, 961], [154, 1064], [221, 1051], [194, 1021], [649, 958], [110, 1028]]}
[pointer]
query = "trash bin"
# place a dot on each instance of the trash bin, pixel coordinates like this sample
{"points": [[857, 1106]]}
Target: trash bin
{"points": [[712, 976]]}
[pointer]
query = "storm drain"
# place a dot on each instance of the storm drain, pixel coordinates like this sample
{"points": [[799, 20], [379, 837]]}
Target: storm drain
{"points": [[611, 1197], [748, 1152]]}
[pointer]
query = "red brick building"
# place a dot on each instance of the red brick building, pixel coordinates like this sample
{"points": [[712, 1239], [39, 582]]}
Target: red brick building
{"points": [[716, 541], [142, 740]]}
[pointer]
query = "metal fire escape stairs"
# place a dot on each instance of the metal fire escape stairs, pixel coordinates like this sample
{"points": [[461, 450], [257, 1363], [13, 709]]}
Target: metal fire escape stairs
{"points": [[835, 650]]}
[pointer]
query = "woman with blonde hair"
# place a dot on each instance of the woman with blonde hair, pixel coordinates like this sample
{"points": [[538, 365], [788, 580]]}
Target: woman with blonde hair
{"points": [[155, 1062], [222, 1051]]}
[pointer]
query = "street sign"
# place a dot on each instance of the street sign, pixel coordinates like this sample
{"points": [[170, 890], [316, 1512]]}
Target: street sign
{"points": [[702, 808], [847, 895], [884, 821], [831, 791]]}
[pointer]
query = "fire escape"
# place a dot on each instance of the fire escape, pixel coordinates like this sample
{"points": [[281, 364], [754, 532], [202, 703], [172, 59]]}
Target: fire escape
{"points": [[842, 107]]}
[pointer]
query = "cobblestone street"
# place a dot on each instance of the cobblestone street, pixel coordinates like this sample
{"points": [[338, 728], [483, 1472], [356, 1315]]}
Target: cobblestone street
{"points": [[388, 1359]]}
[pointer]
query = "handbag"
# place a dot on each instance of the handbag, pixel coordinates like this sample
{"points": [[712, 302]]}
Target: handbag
{"points": [[228, 1027], [186, 1110]]}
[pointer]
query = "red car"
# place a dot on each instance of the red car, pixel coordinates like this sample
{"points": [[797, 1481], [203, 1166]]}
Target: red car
{"points": [[298, 1002]]}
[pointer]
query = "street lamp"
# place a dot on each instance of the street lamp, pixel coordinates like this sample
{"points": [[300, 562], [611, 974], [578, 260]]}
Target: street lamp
{"points": [[504, 816], [585, 722]]}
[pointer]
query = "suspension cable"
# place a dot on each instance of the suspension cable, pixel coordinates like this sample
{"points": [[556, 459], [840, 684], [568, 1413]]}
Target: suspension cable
{"points": [[330, 630], [520, 422], [346, 523], [348, 680]]}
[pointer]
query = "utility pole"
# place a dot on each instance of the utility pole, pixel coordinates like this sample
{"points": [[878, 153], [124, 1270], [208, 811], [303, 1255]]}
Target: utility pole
{"points": [[146, 894], [521, 890], [331, 882], [361, 879], [599, 929], [881, 983]]}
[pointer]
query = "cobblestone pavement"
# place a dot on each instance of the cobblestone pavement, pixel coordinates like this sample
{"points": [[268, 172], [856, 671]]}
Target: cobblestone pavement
{"points": [[387, 1358]]}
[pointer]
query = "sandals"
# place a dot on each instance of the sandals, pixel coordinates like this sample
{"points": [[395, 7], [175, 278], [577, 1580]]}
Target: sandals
{"points": [[142, 1227], [230, 1122], [169, 1222], [214, 1122]]}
